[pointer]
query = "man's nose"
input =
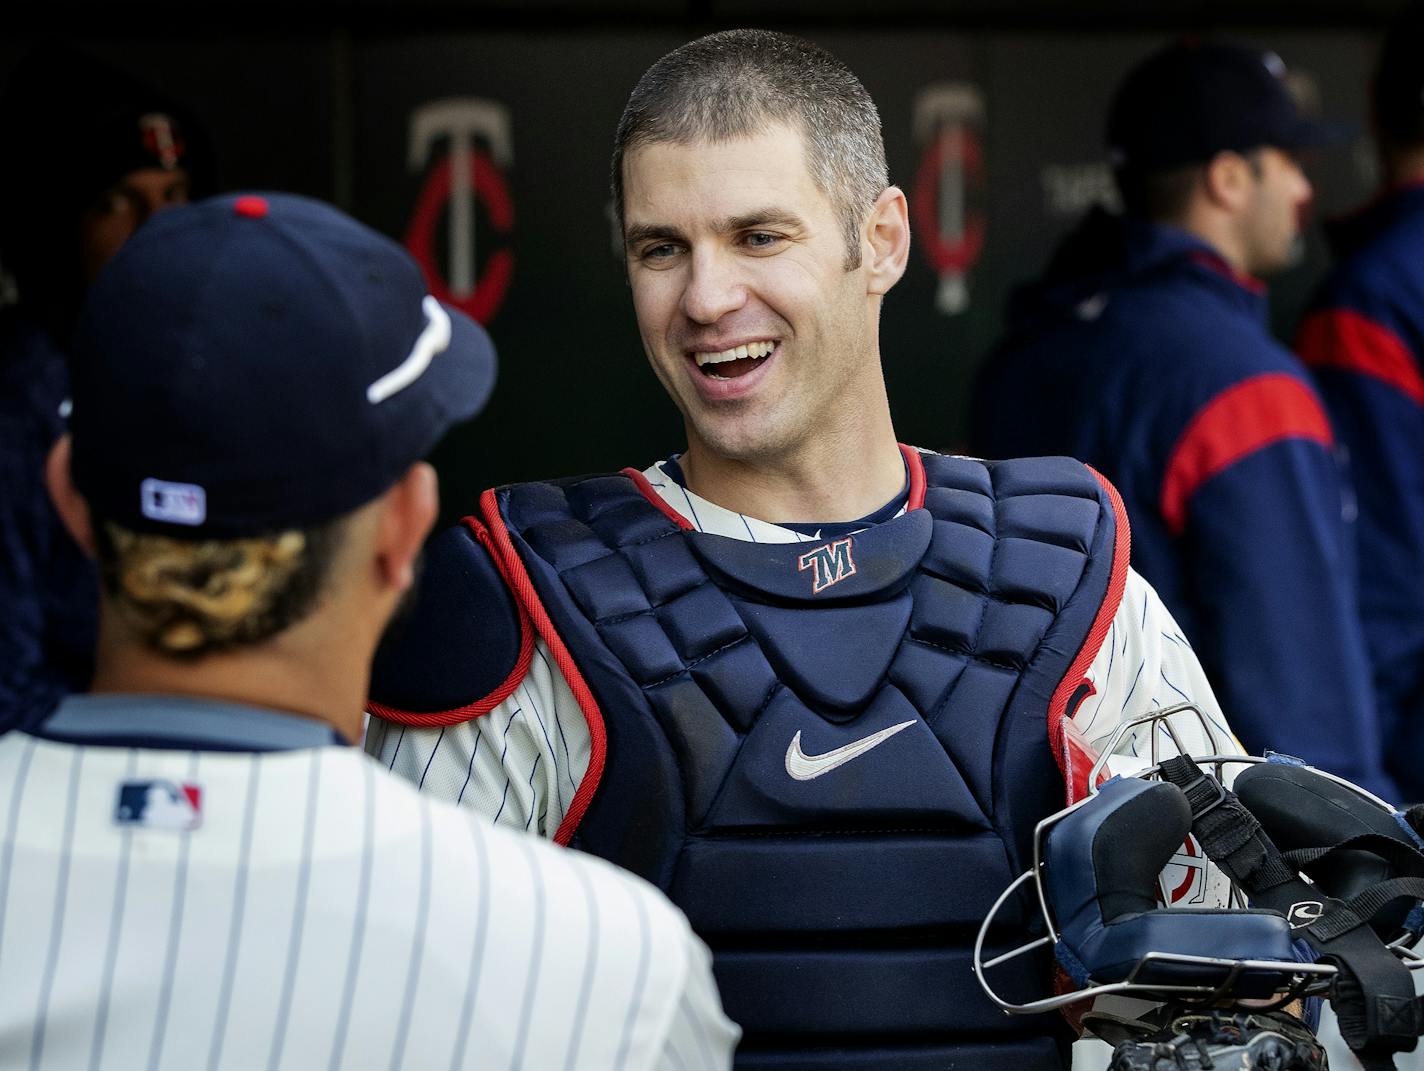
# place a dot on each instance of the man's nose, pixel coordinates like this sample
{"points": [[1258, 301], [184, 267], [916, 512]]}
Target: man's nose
{"points": [[714, 287]]}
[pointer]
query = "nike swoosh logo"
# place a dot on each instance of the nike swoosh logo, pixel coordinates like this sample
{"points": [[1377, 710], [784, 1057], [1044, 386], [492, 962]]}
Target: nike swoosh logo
{"points": [[804, 767]]}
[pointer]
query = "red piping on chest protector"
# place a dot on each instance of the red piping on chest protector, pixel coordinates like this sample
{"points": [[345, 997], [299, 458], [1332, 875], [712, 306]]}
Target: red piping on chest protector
{"points": [[517, 576], [915, 466], [650, 492], [456, 715], [1102, 623]]}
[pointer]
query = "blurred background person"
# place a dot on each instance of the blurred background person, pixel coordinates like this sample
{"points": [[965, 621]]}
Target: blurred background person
{"points": [[92, 155], [1144, 350], [1364, 341]]}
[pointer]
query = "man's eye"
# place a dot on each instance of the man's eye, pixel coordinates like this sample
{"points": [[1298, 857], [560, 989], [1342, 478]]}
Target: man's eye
{"points": [[663, 251], [761, 240]]}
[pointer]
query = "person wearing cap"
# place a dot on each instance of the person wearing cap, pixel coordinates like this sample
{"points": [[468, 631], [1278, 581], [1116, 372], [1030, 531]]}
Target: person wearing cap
{"points": [[817, 685], [103, 153], [1144, 350], [197, 867], [1363, 338]]}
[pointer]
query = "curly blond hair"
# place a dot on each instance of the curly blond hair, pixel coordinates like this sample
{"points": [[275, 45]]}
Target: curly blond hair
{"points": [[192, 597]]}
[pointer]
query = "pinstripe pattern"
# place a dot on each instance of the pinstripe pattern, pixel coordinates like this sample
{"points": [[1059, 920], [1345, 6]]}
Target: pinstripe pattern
{"points": [[358, 929], [322, 914], [586, 986], [477, 951], [417, 943], [536, 959], [294, 943], [7, 850], [244, 854], [175, 930], [638, 987], [116, 923], [61, 895]]}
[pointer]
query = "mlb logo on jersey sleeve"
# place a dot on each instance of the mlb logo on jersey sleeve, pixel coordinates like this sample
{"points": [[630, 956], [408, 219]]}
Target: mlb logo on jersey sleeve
{"points": [[159, 805]]}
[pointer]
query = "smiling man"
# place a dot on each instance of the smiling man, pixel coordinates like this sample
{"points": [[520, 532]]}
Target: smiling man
{"points": [[817, 685]]}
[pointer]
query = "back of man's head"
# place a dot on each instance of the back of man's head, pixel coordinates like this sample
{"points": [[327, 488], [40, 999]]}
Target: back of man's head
{"points": [[1188, 103], [250, 373], [740, 82], [76, 126]]}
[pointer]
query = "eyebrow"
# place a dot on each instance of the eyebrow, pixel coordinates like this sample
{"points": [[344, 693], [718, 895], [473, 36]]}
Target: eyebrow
{"points": [[762, 217], [645, 232]]}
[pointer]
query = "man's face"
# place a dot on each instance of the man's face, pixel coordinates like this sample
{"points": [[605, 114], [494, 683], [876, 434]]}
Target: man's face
{"points": [[1272, 219], [745, 307], [122, 209]]}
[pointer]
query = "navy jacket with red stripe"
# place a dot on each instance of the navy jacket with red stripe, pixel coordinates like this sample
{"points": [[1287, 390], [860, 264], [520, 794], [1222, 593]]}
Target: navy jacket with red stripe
{"points": [[1364, 340], [1143, 354]]}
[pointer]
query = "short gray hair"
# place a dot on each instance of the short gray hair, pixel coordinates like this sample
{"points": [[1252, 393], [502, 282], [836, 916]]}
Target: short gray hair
{"points": [[740, 82]]}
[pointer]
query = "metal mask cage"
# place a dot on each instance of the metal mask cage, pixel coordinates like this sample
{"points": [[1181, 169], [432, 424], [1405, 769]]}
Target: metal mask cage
{"points": [[1295, 979]]}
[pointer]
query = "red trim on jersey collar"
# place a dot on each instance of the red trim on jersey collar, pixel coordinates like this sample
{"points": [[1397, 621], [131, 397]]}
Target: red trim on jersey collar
{"points": [[1247, 416], [517, 577], [914, 467], [650, 492], [480, 707], [1216, 263], [1346, 339], [1075, 774]]}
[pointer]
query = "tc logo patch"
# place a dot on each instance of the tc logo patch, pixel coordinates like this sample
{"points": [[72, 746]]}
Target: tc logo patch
{"points": [[159, 805], [830, 564]]}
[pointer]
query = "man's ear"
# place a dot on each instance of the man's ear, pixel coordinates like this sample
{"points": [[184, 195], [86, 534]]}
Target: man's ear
{"points": [[1228, 180], [407, 513], [68, 502], [885, 242]]}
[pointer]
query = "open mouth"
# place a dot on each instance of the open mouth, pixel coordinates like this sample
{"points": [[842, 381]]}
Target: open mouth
{"points": [[735, 362]]}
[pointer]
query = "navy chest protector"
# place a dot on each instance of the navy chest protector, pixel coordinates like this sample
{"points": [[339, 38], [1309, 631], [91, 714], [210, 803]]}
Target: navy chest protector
{"points": [[831, 754]]}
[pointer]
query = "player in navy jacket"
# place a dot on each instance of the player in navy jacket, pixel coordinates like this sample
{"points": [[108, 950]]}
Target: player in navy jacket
{"points": [[1144, 351], [106, 152], [1364, 341]]}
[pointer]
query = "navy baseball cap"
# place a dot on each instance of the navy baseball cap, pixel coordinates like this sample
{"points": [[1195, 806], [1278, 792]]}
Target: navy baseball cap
{"points": [[1193, 99], [260, 362]]}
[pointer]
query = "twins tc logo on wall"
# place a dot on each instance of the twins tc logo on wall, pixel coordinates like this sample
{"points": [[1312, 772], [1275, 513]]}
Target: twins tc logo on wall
{"points": [[949, 184], [465, 187]]}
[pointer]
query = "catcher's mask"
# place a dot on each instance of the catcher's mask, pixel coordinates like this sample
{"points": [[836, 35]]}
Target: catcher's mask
{"points": [[1330, 872]]}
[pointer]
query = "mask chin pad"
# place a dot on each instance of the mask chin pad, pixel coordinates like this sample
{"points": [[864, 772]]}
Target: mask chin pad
{"points": [[1108, 915]]}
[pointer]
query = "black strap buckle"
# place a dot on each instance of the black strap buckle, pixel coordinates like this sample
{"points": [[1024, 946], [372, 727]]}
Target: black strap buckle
{"points": [[1193, 795]]}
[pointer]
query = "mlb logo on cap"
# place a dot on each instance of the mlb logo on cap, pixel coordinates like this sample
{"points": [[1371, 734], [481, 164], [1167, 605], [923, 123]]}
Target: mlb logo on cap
{"points": [[159, 805], [177, 503]]}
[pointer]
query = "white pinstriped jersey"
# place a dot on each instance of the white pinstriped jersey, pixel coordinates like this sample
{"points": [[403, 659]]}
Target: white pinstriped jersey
{"points": [[321, 914], [521, 763]]}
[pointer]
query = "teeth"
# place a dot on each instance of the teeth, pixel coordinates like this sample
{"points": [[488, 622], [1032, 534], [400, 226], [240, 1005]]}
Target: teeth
{"points": [[736, 353]]}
